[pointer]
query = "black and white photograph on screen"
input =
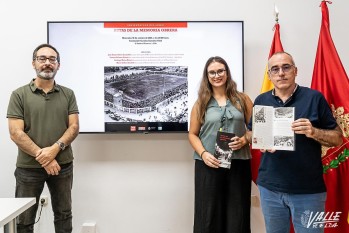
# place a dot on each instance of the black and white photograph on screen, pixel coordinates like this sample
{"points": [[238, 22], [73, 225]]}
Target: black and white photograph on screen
{"points": [[145, 94]]}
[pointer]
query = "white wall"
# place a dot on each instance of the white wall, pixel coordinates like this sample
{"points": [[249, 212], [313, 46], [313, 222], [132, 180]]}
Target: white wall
{"points": [[144, 183]]}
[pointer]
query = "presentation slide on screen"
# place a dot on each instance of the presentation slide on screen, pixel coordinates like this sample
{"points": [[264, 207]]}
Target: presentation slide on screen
{"points": [[141, 76]]}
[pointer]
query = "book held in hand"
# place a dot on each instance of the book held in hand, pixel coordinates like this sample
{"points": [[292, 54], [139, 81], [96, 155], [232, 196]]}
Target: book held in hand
{"points": [[272, 128], [222, 150]]}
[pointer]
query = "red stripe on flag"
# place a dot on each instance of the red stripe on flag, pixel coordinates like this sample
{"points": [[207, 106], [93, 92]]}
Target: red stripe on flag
{"points": [[276, 45], [330, 78]]}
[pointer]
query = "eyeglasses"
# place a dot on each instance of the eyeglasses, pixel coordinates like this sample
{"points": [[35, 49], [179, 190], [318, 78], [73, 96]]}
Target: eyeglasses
{"points": [[285, 68], [213, 74], [42, 59]]}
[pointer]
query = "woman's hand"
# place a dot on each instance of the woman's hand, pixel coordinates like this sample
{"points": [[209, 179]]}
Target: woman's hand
{"points": [[210, 160], [237, 143]]}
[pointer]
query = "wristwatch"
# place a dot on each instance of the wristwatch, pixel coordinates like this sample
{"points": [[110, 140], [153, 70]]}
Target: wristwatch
{"points": [[61, 145]]}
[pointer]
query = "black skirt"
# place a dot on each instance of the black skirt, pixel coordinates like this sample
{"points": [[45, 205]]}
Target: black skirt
{"points": [[222, 198]]}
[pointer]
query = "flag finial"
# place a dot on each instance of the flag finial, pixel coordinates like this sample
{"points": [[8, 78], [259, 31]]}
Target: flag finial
{"points": [[276, 14]]}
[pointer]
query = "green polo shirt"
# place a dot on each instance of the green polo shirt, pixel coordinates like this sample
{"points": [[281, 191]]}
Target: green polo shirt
{"points": [[45, 118]]}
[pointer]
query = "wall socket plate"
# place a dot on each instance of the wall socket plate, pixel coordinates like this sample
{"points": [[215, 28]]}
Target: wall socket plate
{"points": [[44, 199]]}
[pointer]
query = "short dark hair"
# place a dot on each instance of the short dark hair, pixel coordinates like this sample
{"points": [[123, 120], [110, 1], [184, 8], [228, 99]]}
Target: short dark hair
{"points": [[46, 46]]}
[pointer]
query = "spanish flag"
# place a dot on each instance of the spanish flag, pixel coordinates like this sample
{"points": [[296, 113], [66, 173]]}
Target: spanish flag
{"points": [[330, 78], [276, 46], [267, 85]]}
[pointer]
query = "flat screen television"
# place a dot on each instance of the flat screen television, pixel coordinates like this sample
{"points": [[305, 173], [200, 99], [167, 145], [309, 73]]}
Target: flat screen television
{"points": [[141, 77]]}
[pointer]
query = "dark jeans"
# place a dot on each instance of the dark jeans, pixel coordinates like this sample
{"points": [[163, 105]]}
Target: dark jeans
{"points": [[222, 198], [30, 183]]}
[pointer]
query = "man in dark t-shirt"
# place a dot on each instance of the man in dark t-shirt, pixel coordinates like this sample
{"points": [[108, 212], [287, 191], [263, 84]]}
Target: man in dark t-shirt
{"points": [[291, 182]]}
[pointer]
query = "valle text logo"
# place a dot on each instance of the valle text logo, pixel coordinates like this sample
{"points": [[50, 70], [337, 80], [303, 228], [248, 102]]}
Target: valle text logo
{"points": [[312, 219]]}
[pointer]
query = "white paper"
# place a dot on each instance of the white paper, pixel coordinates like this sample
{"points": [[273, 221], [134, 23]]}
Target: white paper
{"points": [[272, 128]]}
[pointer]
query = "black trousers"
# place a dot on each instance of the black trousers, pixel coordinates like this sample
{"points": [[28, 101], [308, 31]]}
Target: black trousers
{"points": [[222, 198]]}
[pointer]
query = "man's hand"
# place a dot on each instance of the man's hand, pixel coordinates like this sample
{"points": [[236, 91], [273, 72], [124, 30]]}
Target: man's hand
{"points": [[46, 155], [269, 150], [303, 126], [53, 168], [326, 137]]}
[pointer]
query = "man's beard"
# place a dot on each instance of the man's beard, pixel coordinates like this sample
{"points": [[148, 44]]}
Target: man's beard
{"points": [[43, 74]]}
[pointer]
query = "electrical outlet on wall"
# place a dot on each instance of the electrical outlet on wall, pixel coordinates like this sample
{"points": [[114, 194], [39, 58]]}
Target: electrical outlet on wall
{"points": [[43, 200]]}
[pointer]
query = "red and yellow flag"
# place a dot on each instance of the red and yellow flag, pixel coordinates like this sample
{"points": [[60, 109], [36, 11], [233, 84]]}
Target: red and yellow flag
{"points": [[276, 46], [330, 78], [267, 85]]}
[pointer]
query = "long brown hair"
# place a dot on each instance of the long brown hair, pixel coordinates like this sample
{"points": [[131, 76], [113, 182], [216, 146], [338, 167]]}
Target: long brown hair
{"points": [[205, 91]]}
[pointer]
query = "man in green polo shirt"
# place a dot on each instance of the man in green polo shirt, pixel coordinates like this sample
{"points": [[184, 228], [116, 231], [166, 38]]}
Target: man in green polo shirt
{"points": [[43, 121]]}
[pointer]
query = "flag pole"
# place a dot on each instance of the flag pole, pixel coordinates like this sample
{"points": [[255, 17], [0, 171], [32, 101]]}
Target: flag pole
{"points": [[276, 14], [276, 46]]}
